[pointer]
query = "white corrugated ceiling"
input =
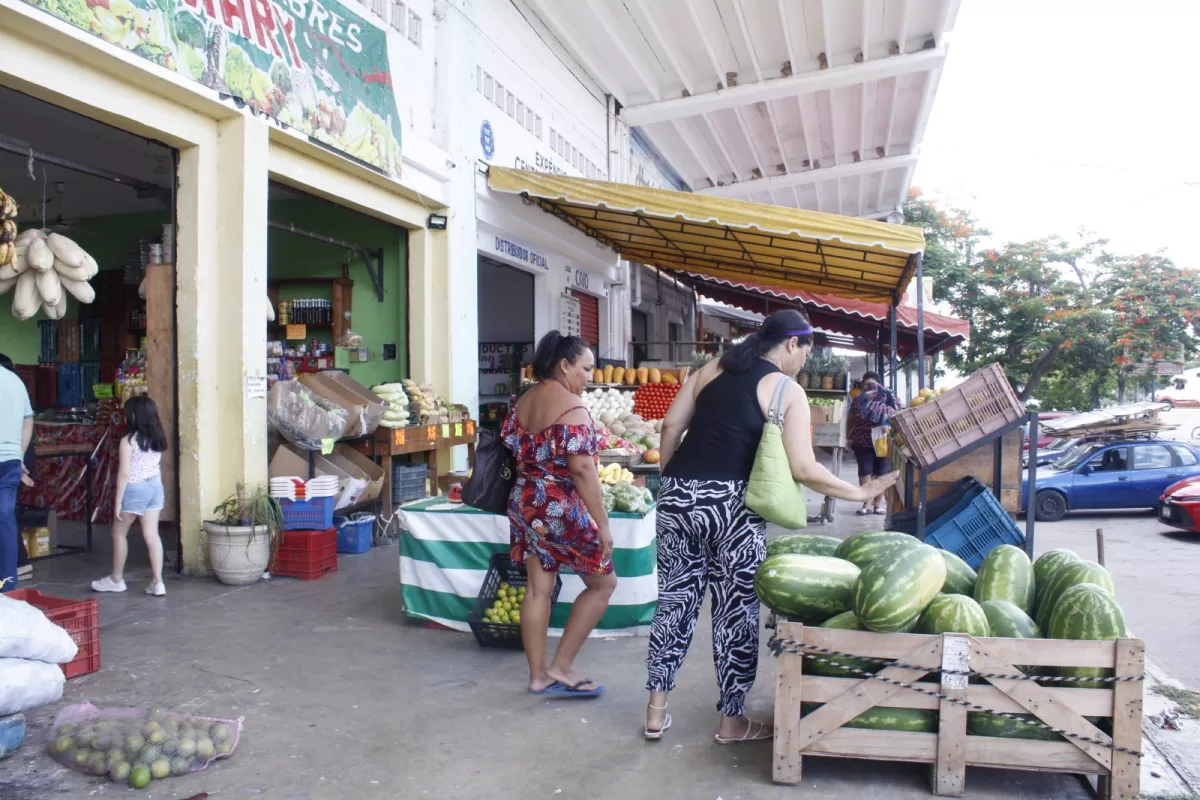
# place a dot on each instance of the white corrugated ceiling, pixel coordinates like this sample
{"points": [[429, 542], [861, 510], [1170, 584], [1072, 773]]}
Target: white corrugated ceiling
{"points": [[816, 104]]}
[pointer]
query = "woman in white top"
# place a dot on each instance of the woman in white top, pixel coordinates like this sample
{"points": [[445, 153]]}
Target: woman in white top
{"points": [[139, 494]]}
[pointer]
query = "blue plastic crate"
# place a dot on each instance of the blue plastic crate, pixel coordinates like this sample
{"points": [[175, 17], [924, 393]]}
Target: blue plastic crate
{"points": [[975, 526], [12, 733], [70, 385], [307, 515], [354, 535]]}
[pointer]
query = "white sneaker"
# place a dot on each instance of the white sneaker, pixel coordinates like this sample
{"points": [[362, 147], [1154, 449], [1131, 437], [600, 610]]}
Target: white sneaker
{"points": [[156, 589], [107, 584]]}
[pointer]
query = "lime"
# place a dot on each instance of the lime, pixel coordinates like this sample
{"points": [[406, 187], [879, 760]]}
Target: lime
{"points": [[180, 766], [224, 747], [97, 763], [219, 730], [139, 778], [134, 745], [516, 618], [62, 744], [80, 757], [161, 768], [157, 736], [503, 584], [150, 727], [204, 748], [119, 771], [149, 754]]}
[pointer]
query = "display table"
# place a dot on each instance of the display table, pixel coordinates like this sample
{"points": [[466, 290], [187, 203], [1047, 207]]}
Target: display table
{"points": [[388, 442], [444, 552]]}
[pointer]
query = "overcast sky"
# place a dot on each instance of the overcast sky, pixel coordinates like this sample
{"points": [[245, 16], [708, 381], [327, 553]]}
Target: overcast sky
{"points": [[1053, 115]]}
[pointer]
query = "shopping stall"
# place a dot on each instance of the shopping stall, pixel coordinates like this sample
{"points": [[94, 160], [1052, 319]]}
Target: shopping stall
{"points": [[85, 260], [444, 553]]}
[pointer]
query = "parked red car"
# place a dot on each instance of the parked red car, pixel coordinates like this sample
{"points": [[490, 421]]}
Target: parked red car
{"points": [[1044, 439], [1180, 505]]}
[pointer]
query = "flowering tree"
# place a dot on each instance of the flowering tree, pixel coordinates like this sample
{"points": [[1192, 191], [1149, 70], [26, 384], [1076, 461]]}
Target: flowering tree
{"points": [[1065, 311]]}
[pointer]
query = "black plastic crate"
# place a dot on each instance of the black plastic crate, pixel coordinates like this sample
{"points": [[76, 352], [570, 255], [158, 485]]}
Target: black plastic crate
{"points": [[409, 482], [89, 340], [906, 521], [70, 385], [89, 376], [47, 341], [496, 634]]}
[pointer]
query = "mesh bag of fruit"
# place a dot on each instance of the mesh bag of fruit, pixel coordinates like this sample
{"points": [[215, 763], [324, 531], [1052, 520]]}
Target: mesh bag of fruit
{"points": [[135, 746]]}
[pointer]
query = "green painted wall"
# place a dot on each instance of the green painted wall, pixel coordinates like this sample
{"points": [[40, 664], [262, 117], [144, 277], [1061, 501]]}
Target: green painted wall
{"points": [[291, 256], [112, 241]]}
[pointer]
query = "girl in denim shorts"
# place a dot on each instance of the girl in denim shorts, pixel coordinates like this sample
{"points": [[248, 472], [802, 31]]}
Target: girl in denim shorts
{"points": [[139, 494]]}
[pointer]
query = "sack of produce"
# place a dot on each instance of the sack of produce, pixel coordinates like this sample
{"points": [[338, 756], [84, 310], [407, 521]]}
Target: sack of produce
{"points": [[302, 417], [26, 684], [26, 633], [135, 746]]}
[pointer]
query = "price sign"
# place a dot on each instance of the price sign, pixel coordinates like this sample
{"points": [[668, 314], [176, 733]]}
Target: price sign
{"points": [[398, 437], [326, 446], [446, 431], [431, 433], [296, 332], [458, 430], [470, 428], [102, 391]]}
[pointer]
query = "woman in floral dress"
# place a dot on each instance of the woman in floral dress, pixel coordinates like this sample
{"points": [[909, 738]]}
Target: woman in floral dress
{"points": [[556, 513]]}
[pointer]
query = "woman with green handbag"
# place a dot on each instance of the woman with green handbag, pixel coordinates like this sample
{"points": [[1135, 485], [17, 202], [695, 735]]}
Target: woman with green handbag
{"points": [[743, 415]]}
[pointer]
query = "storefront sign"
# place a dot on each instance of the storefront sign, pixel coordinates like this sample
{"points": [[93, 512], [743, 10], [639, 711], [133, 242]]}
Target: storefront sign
{"points": [[588, 282], [512, 251], [646, 169], [313, 65]]}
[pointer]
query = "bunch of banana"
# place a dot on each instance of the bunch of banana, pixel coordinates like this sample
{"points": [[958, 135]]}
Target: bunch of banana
{"points": [[8, 229]]}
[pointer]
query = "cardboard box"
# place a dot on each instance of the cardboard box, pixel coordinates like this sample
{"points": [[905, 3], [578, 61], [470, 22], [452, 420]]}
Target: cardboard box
{"points": [[356, 407], [370, 471], [821, 414], [290, 462], [37, 541], [374, 403]]}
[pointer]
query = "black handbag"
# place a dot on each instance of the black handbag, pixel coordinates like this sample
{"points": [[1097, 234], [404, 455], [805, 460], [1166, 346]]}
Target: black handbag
{"points": [[491, 482]]}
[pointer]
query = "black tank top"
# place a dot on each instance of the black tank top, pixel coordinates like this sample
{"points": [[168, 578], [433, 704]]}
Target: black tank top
{"points": [[726, 427]]}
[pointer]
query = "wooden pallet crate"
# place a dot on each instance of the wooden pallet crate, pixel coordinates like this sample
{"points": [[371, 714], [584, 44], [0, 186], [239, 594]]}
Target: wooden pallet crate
{"points": [[951, 750]]}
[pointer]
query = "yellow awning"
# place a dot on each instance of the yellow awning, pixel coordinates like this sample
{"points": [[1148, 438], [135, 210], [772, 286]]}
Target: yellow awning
{"points": [[726, 239]]}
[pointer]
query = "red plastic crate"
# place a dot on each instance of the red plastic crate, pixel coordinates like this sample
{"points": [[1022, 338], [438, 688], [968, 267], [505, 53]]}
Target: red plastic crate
{"points": [[80, 618], [306, 555]]}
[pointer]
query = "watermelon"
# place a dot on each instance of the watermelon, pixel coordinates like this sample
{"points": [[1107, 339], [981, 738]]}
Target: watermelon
{"points": [[864, 548], [892, 591], [805, 544], [1069, 574], [881, 718], [1047, 564], [953, 613], [981, 723], [1006, 574], [960, 578], [810, 589], [1006, 621], [844, 622], [1087, 611]]}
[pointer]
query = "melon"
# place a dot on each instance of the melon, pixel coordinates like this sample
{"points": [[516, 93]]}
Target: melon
{"points": [[960, 578], [810, 589], [846, 622], [881, 718], [980, 723], [892, 591], [1069, 574], [1047, 564], [1091, 612], [953, 613], [864, 548], [803, 544], [1006, 574]]}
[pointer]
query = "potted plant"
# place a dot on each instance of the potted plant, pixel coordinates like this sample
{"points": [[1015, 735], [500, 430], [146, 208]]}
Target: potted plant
{"points": [[243, 535]]}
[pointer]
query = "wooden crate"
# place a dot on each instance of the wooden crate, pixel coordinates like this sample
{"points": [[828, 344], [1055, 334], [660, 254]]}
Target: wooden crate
{"points": [[950, 751], [979, 464]]}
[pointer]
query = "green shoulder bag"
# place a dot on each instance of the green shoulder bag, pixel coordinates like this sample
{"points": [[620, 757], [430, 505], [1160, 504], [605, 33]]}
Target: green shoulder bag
{"points": [[773, 493]]}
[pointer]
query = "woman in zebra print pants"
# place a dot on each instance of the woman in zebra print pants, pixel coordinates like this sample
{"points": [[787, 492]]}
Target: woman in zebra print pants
{"points": [[706, 535]]}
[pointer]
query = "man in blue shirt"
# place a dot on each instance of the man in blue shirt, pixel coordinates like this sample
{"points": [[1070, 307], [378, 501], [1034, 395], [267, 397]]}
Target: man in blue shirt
{"points": [[16, 431]]}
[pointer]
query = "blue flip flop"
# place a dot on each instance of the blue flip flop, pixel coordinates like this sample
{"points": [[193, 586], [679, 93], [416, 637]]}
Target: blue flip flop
{"points": [[547, 689], [562, 690]]}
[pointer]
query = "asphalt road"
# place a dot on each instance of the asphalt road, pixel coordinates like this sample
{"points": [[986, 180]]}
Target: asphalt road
{"points": [[1157, 572]]}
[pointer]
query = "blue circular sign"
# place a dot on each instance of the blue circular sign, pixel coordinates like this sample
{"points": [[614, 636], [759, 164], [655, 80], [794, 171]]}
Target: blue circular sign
{"points": [[487, 139]]}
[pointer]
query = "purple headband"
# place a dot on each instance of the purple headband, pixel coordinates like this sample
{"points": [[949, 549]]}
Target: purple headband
{"points": [[797, 332]]}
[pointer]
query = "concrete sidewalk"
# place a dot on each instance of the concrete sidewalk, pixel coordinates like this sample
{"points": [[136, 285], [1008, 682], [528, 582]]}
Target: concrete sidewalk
{"points": [[344, 698]]}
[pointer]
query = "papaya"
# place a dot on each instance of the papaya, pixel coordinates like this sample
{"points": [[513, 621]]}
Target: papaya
{"points": [[608, 373], [643, 375], [655, 375], [597, 376], [618, 375], [669, 378]]}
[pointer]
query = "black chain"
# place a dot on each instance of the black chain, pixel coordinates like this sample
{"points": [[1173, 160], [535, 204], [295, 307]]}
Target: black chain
{"points": [[815, 653]]}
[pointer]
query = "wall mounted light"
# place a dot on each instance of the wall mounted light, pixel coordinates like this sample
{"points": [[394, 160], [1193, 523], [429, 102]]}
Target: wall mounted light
{"points": [[437, 222]]}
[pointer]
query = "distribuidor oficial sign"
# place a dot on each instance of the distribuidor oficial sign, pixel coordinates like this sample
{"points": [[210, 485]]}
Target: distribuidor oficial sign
{"points": [[313, 65]]}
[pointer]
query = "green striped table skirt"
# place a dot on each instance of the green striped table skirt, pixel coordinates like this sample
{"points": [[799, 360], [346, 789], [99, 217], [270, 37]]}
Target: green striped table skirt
{"points": [[444, 553]]}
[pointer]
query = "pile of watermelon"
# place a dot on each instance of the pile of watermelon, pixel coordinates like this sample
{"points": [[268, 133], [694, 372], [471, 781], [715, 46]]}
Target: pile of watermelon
{"points": [[892, 583]]}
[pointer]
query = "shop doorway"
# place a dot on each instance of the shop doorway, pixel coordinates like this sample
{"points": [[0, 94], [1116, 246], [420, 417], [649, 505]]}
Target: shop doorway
{"points": [[110, 335], [641, 334], [589, 319], [506, 336]]}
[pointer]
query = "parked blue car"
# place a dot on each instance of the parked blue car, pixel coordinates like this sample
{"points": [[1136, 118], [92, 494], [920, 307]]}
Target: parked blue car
{"points": [[1111, 475]]}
